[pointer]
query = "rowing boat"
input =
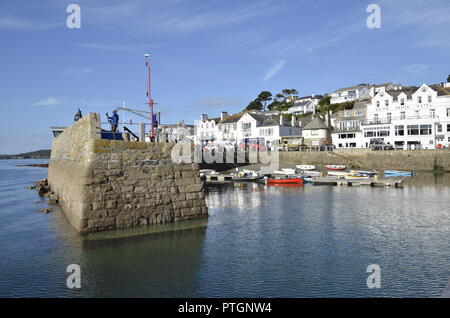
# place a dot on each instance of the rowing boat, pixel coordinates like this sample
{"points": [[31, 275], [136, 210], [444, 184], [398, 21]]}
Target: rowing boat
{"points": [[398, 172], [305, 167], [339, 173], [335, 167]]}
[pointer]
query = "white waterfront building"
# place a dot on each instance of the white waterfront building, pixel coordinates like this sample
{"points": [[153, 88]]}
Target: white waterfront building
{"points": [[245, 128], [347, 123], [409, 118], [349, 94]]}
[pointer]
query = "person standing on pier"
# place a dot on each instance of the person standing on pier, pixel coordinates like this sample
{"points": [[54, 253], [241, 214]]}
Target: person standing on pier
{"points": [[78, 115], [113, 120]]}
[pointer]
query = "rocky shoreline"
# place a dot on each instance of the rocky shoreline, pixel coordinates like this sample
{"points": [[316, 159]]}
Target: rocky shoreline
{"points": [[41, 165], [43, 189]]}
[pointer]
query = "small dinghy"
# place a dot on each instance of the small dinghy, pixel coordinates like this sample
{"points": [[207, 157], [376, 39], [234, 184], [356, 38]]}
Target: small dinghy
{"points": [[339, 173], [356, 177], [399, 173], [335, 167], [305, 167], [311, 174]]}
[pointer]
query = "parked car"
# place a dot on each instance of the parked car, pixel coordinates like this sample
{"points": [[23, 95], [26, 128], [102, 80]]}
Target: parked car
{"points": [[326, 147], [380, 145]]}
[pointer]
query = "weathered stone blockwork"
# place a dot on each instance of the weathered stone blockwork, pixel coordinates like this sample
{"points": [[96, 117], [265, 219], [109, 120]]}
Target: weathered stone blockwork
{"points": [[106, 184], [420, 160]]}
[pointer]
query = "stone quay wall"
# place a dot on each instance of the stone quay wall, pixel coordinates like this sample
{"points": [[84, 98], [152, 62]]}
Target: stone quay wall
{"points": [[108, 184], [420, 160]]}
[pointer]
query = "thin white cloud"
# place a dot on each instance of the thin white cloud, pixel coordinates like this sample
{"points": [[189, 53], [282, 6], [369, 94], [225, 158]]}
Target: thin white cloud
{"points": [[416, 69], [108, 47], [218, 102], [50, 101], [75, 71], [274, 70], [178, 17], [19, 24]]}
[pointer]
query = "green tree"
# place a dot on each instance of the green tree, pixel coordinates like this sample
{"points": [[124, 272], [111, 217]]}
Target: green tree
{"points": [[265, 97], [254, 105]]}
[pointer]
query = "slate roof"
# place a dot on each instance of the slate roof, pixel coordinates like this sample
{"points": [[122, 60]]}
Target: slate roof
{"points": [[232, 119], [316, 123], [351, 88]]}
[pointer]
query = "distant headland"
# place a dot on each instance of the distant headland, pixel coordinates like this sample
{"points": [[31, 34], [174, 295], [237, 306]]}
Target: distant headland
{"points": [[39, 154]]}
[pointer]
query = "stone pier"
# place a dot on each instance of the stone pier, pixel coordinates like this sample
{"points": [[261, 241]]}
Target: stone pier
{"points": [[108, 184]]}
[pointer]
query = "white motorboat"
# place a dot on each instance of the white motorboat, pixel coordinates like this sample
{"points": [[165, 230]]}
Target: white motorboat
{"points": [[288, 171]]}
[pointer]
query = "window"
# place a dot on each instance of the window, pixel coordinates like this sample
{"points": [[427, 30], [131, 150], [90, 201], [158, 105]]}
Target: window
{"points": [[413, 130], [429, 98], [378, 103], [425, 129], [386, 102], [419, 99], [448, 112], [375, 118], [402, 101], [347, 114], [432, 113], [439, 128], [399, 130], [383, 133], [314, 132], [402, 115], [448, 127], [246, 126], [389, 116], [266, 132]]}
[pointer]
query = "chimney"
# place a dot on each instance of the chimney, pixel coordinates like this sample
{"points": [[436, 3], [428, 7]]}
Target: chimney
{"points": [[203, 117], [223, 115]]}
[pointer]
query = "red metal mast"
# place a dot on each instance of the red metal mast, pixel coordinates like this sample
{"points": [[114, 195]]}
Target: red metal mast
{"points": [[150, 100]]}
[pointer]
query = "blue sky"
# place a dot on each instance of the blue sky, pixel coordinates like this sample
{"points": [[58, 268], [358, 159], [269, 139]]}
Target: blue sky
{"points": [[207, 56]]}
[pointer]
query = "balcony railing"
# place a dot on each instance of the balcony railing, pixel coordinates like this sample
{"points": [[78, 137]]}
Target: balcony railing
{"points": [[389, 120]]}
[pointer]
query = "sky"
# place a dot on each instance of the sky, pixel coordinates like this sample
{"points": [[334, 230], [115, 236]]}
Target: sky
{"points": [[207, 56]]}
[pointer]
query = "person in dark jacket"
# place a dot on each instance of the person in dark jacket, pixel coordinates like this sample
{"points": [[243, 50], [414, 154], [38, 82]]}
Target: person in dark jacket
{"points": [[78, 115], [113, 120]]}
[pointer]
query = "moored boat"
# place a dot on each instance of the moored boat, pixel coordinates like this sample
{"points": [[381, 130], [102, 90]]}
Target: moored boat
{"points": [[339, 173], [398, 172], [311, 173], [335, 167], [305, 167], [284, 181]]}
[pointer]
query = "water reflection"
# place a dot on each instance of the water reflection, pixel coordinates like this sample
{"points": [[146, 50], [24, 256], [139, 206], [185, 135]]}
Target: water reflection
{"points": [[259, 241]]}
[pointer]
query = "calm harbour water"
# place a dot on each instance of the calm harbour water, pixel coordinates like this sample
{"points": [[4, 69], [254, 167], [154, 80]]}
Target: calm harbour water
{"points": [[258, 242]]}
